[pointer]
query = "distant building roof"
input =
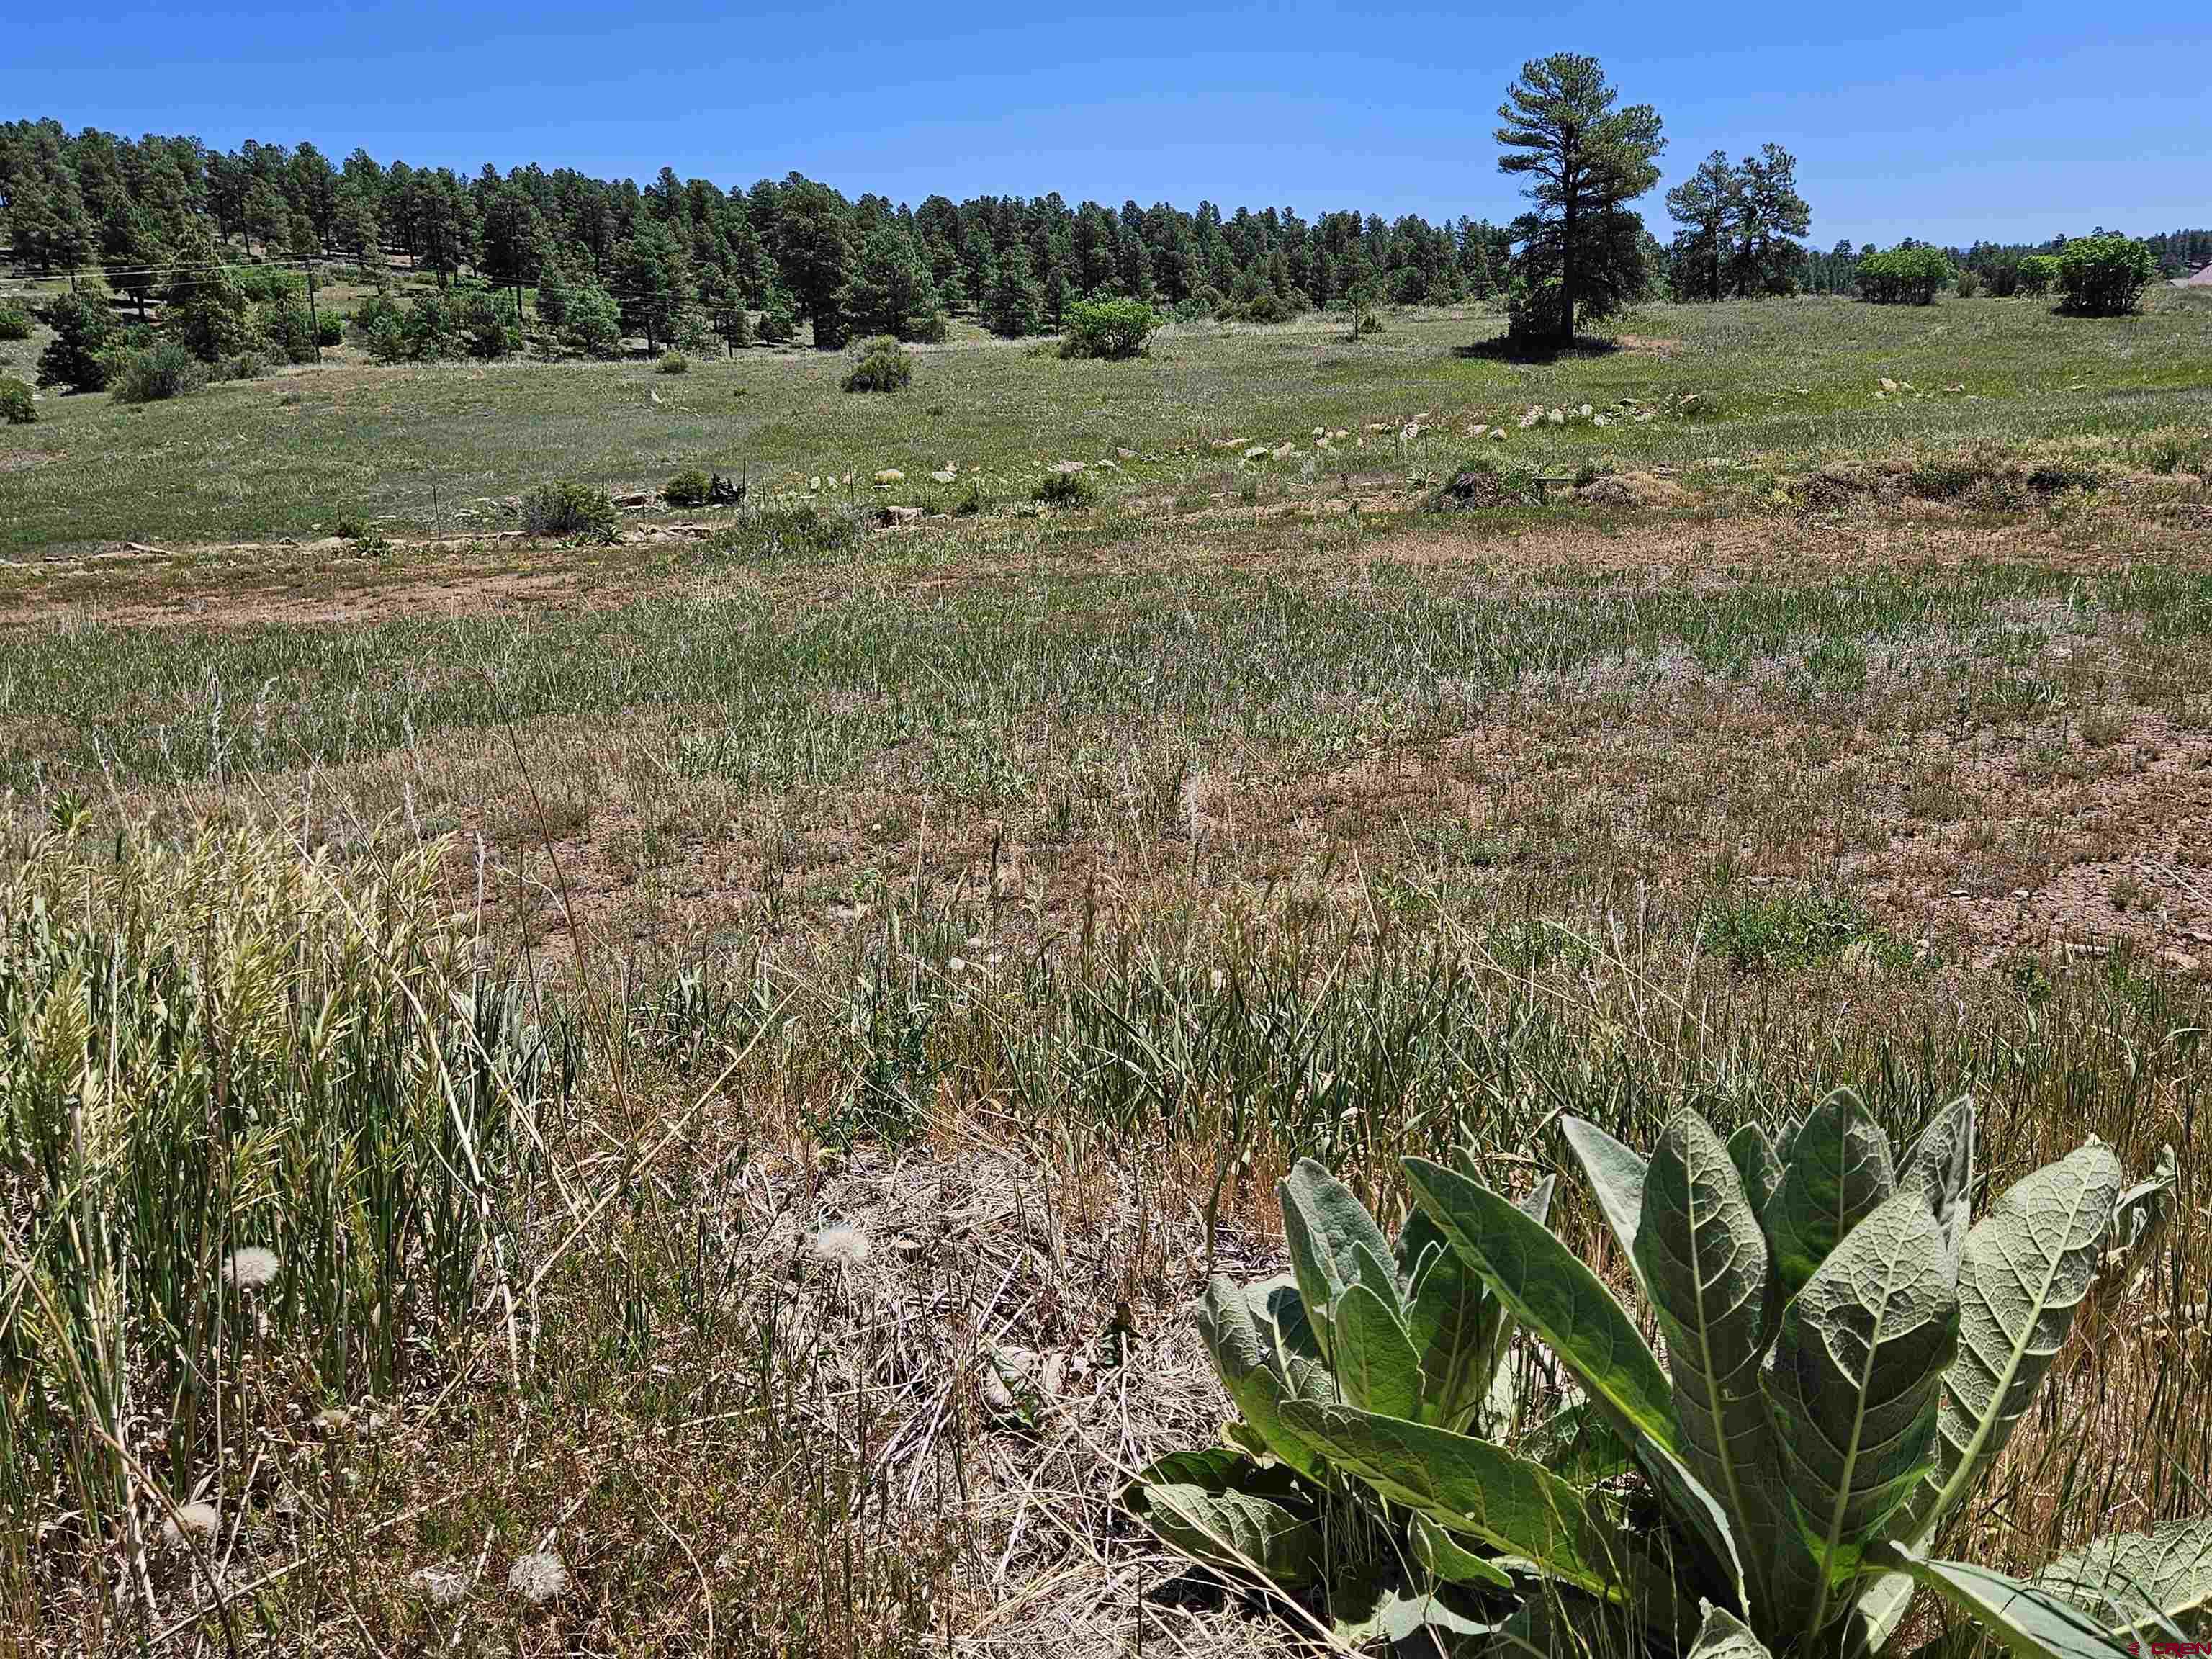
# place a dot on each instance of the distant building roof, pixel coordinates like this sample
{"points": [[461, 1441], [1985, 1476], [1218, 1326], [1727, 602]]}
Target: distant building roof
{"points": [[2200, 279]]}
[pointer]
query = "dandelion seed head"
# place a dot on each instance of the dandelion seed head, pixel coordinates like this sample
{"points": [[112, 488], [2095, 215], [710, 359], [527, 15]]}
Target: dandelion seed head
{"points": [[842, 1246], [538, 1577], [190, 1522], [251, 1269], [443, 1586]]}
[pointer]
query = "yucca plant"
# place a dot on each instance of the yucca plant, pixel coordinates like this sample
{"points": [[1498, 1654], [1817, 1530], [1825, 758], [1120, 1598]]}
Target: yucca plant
{"points": [[1400, 1331], [1846, 1358]]}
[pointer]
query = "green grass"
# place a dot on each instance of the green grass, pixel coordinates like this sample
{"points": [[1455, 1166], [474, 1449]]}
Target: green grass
{"points": [[442, 447]]}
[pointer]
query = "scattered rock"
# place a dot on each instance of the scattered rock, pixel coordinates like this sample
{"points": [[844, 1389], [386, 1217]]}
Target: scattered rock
{"points": [[1120, 454], [1257, 453], [1632, 489], [1067, 469], [888, 477], [899, 515], [1888, 385]]}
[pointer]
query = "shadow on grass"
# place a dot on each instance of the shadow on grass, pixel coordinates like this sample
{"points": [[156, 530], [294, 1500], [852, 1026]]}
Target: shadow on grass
{"points": [[1504, 349]]}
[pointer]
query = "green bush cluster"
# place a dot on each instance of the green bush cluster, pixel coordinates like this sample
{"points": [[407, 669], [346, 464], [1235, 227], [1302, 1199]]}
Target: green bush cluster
{"points": [[2039, 273], [563, 507], [1064, 489], [1905, 275], [2105, 275], [672, 361], [1113, 329], [81, 355], [17, 406], [15, 322], [159, 373], [881, 365], [689, 488]]}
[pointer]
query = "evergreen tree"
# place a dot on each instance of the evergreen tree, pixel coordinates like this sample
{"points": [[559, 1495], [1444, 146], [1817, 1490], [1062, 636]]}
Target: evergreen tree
{"points": [[651, 281], [202, 308], [1581, 248], [1014, 307], [890, 291], [46, 209], [814, 255], [1774, 217], [81, 355], [1708, 204], [513, 240]]}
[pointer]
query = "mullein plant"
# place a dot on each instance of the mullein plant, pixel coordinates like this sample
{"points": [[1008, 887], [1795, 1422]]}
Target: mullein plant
{"points": [[1847, 1353], [1397, 1330]]}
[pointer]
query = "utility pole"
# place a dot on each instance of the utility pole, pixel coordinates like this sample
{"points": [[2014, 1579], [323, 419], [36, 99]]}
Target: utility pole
{"points": [[315, 323]]}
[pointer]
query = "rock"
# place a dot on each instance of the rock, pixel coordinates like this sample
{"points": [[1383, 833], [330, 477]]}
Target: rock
{"points": [[1257, 453], [1597, 420], [1585, 411], [945, 474], [1556, 418], [1498, 435], [1285, 450], [888, 477], [1531, 418], [1107, 466], [1228, 443], [815, 483], [900, 515], [1478, 430], [1378, 426], [1067, 469], [1121, 454], [1888, 385]]}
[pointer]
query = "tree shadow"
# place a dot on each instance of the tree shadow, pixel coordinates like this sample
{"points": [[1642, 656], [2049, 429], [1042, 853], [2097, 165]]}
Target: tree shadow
{"points": [[1504, 349]]}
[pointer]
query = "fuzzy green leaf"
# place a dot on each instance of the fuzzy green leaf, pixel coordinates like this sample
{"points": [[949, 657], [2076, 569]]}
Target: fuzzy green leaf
{"points": [[1724, 1636], [1615, 1173], [2031, 1622], [1219, 1508], [1469, 1485], [2140, 1581], [1757, 1165], [2025, 1267], [1447, 1559], [1248, 1354], [1941, 1169], [1375, 1365], [1325, 1224], [1838, 1173], [1853, 1381], [1704, 1258]]}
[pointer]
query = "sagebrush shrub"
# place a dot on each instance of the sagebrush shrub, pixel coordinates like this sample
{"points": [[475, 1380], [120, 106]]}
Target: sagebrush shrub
{"points": [[242, 366], [1064, 489], [1970, 283], [2105, 275], [689, 488], [168, 370], [1112, 329], [15, 322], [883, 367], [563, 507], [17, 406], [672, 361]]}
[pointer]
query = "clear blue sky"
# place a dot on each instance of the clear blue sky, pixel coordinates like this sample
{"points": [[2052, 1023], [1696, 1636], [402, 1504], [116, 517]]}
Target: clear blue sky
{"points": [[1949, 121]]}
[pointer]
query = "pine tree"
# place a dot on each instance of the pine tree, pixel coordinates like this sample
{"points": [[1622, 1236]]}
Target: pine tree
{"points": [[1581, 248], [890, 291], [202, 308], [813, 255], [52, 229], [651, 281], [80, 354], [1014, 306], [1710, 204]]}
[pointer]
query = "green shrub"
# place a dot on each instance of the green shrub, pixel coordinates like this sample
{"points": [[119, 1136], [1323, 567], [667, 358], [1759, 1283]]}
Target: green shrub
{"points": [[778, 323], [329, 331], [485, 330], [1114, 328], [689, 488], [2039, 273], [566, 507], [17, 406], [593, 322], [15, 322], [264, 286], [80, 356], [882, 366], [168, 370], [1970, 283], [1064, 489], [2105, 275], [248, 365], [285, 328], [672, 361], [1904, 275]]}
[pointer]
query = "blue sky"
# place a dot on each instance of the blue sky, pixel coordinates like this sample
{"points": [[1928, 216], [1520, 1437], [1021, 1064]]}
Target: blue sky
{"points": [[1948, 121]]}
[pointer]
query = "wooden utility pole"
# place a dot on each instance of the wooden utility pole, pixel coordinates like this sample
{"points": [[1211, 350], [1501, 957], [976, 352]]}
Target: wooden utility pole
{"points": [[315, 323]]}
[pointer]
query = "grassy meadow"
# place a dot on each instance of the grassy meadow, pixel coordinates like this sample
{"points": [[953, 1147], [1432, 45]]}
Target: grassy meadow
{"points": [[675, 1094]]}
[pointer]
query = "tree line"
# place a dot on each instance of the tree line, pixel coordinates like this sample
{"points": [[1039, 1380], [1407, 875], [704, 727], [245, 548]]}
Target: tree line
{"points": [[792, 249]]}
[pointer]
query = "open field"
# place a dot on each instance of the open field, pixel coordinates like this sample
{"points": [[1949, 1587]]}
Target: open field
{"points": [[548, 950]]}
